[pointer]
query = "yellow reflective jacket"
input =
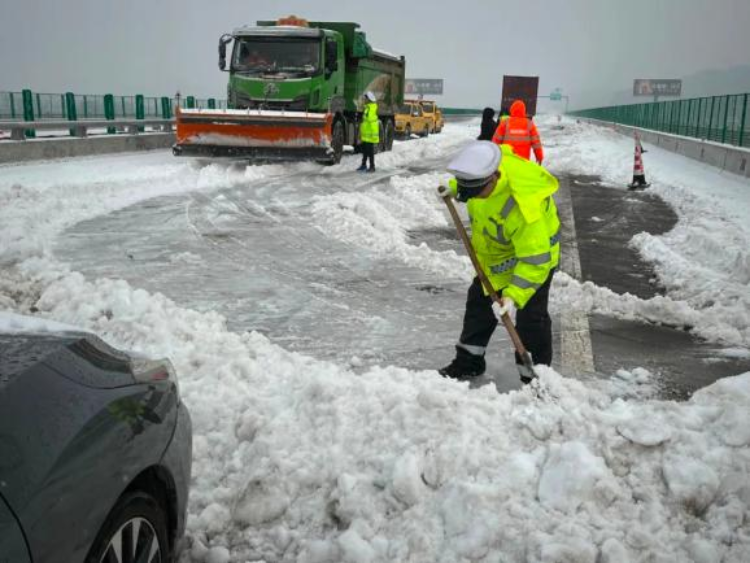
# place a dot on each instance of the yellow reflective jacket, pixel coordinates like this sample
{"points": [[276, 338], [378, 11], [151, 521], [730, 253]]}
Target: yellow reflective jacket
{"points": [[516, 231], [369, 130]]}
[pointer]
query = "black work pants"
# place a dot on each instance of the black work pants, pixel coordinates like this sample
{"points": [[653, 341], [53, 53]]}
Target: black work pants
{"points": [[368, 151], [533, 323]]}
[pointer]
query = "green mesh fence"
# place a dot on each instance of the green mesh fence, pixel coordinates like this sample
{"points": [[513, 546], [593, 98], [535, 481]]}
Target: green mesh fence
{"points": [[89, 107], [11, 105], [723, 119], [460, 111], [49, 106]]}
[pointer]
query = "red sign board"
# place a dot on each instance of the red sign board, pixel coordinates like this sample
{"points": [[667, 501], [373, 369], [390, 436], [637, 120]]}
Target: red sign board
{"points": [[523, 88]]}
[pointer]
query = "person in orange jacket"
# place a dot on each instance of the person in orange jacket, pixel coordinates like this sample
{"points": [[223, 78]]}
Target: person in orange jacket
{"points": [[519, 132]]}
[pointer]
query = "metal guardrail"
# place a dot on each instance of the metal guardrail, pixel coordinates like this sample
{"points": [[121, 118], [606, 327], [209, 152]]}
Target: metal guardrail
{"points": [[34, 108], [723, 119], [25, 112], [18, 129]]}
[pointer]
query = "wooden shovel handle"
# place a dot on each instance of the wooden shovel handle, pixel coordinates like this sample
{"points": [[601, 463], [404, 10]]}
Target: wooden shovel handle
{"points": [[507, 321]]}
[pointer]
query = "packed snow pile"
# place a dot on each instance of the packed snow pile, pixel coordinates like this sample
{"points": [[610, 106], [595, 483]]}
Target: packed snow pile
{"points": [[297, 459], [300, 460]]}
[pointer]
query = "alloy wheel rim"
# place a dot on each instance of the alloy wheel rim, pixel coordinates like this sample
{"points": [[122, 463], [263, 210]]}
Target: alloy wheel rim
{"points": [[133, 542]]}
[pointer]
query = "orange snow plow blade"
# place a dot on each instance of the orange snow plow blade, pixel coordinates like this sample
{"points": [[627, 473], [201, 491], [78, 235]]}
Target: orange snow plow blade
{"points": [[255, 134]]}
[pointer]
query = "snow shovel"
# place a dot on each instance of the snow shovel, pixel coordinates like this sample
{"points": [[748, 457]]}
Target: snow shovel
{"points": [[528, 364]]}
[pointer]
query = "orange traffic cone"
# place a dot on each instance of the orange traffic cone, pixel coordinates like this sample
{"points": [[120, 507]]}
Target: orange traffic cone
{"points": [[639, 175]]}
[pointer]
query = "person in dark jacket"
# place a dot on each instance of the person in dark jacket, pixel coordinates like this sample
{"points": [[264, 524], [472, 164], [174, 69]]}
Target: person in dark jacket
{"points": [[489, 125]]}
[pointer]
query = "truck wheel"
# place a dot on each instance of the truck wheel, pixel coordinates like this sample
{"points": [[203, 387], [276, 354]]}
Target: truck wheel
{"points": [[381, 137], [426, 132], [337, 141], [388, 135], [337, 144], [407, 132]]}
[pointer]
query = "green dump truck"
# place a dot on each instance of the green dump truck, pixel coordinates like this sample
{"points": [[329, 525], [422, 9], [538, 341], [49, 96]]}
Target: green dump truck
{"points": [[294, 93]]}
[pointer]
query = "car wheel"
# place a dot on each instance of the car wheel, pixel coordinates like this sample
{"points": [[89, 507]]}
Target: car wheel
{"points": [[426, 132], [135, 531], [407, 132]]}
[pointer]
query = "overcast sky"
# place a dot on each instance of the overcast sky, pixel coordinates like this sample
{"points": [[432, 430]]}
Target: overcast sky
{"points": [[589, 48]]}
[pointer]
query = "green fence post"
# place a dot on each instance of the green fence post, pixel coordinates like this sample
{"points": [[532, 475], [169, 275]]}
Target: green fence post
{"points": [[665, 107], [190, 102], [109, 111], [211, 103], [711, 118], [166, 108], [670, 116], [698, 119], [28, 111], [742, 123], [140, 112], [70, 110], [85, 106], [726, 116]]}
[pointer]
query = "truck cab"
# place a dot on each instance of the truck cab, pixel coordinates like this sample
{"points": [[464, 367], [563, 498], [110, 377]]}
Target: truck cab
{"points": [[287, 68]]}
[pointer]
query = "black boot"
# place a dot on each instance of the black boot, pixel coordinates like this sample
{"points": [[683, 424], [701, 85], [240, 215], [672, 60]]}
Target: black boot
{"points": [[464, 365]]}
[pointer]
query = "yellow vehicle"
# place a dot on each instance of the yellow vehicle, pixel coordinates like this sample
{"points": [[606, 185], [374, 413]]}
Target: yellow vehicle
{"points": [[433, 114], [411, 120]]}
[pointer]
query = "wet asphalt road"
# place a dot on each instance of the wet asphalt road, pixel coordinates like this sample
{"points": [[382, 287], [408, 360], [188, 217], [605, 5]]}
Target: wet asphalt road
{"points": [[606, 219]]}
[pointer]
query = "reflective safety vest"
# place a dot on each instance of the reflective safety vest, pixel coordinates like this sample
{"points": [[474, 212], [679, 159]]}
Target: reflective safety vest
{"points": [[519, 132], [516, 231], [369, 129]]}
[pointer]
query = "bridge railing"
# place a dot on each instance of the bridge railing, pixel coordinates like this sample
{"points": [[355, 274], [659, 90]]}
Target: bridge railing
{"points": [[723, 119], [28, 106]]}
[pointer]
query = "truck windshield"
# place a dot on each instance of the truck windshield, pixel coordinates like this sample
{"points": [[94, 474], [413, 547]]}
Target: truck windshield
{"points": [[427, 107], [273, 55]]}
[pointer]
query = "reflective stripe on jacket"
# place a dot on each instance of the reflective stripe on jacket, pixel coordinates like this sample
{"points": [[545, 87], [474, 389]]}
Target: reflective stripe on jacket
{"points": [[369, 130], [519, 132], [515, 231]]}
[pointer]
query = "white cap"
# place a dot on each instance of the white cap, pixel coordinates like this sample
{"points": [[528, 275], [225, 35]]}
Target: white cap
{"points": [[476, 163], [370, 96]]}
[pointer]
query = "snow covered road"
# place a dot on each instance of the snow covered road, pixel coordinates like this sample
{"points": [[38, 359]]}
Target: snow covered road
{"points": [[306, 258], [305, 449]]}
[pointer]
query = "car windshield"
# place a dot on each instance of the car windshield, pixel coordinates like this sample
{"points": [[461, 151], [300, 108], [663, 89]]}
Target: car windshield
{"points": [[429, 108], [274, 55]]}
